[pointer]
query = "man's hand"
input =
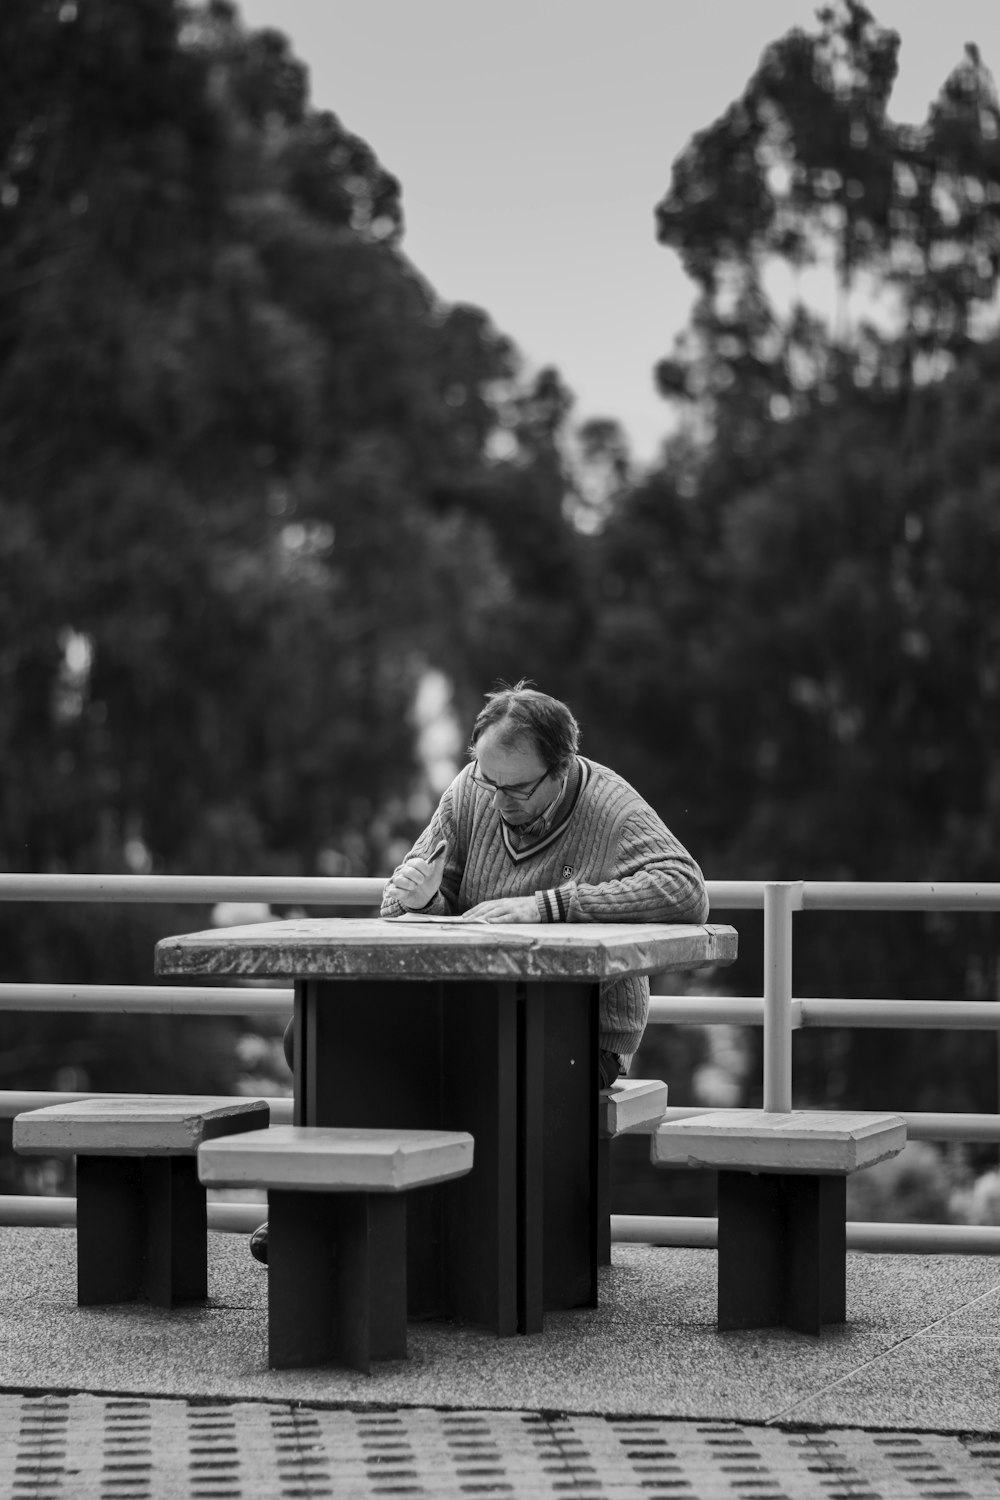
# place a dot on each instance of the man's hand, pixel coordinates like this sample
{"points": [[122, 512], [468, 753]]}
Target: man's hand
{"points": [[510, 909], [417, 882]]}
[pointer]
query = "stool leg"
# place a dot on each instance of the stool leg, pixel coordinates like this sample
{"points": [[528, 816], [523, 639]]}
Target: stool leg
{"points": [[782, 1250], [336, 1279], [176, 1267], [751, 1264], [110, 1229], [816, 1251], [141, 1230]]}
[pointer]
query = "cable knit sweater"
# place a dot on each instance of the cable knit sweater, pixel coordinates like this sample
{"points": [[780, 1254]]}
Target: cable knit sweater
{"points": [[607, 858]]}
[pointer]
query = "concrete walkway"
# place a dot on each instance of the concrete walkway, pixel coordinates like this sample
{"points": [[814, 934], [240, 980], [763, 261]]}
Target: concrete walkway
{"points": [[639, 1397]]}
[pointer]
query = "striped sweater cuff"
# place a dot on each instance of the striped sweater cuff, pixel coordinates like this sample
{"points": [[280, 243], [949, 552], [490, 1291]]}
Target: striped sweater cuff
{"points": [[553, 905]]}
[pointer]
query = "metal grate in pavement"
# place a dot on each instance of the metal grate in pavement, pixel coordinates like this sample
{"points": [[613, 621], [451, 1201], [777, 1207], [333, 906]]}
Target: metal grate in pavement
{"points": [[86, 1447]]}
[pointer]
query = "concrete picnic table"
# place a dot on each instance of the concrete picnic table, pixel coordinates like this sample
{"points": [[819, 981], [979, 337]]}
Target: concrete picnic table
{"points": [[486, 1028]]}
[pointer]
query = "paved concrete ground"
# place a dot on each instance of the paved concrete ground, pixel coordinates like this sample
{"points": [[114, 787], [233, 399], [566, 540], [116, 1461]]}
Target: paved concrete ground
{"points": [[641, 1396]]}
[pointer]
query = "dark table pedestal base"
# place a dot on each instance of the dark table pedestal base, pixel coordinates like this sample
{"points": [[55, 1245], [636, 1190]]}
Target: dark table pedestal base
{"points": [[141, 1230], [782, 1250], [512, 1063], [336, 1279], [604, 1201]]}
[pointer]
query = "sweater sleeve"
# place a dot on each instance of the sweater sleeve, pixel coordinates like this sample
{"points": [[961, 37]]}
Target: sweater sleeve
{"points": [[652, 878]]}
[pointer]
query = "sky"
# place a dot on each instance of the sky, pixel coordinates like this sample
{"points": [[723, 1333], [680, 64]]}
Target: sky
{"points": [[534, 138]]}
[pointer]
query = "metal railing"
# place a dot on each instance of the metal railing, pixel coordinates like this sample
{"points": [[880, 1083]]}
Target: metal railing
{"points": [[777, 1010], [781, 1014]]}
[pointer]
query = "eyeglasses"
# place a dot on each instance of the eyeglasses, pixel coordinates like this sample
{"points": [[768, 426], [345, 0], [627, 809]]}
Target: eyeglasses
{"points": [[520, 791]]}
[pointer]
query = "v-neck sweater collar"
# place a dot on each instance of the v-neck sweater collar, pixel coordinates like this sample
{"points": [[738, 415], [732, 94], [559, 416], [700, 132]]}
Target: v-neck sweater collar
{"points": [[517, 855]]}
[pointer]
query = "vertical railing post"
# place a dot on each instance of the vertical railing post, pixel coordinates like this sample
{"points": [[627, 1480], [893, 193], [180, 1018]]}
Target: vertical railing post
{"points": [[781, 899]]}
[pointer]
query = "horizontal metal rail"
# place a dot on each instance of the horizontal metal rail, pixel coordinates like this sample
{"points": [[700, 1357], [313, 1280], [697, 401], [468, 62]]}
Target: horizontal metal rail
{"points": [[900, 895], [146, 999], [24, 1211], [748, 1010], [201, 890], [949, 1015], [862, 895], [874, 1238], [341, 890], [665, 1010], [706, 1010]]}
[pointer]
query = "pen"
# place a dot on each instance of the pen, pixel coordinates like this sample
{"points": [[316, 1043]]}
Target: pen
{"points": [[437, 851]]}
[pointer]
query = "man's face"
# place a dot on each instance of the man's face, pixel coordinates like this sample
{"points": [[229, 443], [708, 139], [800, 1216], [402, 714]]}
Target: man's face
{"points": [[517, 765]]}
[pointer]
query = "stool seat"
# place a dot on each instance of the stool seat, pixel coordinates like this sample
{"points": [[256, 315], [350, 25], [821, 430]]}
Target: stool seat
{"points": [[631, 1104], [757, 1140], [782, 1204], [320, 1159], [135, 1124], [628, 1106], [336, 1237], [141, 1215]]}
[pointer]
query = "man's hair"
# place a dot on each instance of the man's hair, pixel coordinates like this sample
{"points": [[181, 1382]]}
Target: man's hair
{"points": [[521, 712]]}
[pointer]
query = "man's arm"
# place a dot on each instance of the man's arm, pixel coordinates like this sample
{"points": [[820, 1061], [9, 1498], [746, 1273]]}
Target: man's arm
{"points": [[652, 878]]}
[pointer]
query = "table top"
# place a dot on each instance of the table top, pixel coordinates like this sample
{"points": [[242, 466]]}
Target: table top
{"points": [[376, 948]]}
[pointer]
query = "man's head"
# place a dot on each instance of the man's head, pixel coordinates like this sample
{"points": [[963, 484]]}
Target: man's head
{"points": [[524, 743]]}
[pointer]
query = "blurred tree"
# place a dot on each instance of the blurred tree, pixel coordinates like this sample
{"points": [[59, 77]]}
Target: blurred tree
{"points": [[807, 173], [274, 454], [255, 473], [539, 617], [797, 638]]}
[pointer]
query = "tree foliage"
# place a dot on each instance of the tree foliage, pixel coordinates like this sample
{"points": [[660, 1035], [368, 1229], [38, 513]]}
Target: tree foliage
{"points": [[257, 477], [799, 634], [251, 482]]}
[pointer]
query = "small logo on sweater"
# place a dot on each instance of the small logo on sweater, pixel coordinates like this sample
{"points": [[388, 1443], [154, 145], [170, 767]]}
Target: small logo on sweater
{"points": [[567, 871]]}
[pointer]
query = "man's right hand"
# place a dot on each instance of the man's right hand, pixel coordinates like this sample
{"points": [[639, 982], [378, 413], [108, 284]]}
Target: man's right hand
{"points": [[417, 882]]}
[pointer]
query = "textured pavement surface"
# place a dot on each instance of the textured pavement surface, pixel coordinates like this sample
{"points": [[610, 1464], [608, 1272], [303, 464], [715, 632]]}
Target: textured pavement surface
{"points": [[92, 1448], [641, 1396]]}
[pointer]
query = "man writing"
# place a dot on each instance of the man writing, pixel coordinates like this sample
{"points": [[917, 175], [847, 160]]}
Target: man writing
{"points": [[534, 832]]}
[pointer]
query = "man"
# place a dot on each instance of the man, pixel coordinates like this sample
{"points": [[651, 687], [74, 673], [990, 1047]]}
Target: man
{"points": [[530, 831], [534, 832]]}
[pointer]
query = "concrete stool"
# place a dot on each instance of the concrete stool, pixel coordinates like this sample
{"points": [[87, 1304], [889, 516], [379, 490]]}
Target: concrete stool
{"points": [[782, 1205], [630, 1105], [336, 1238], [141, 1221]]}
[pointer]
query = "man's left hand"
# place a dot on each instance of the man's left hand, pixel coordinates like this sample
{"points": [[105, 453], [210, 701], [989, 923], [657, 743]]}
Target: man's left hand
{"points": [[510, 909]]}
